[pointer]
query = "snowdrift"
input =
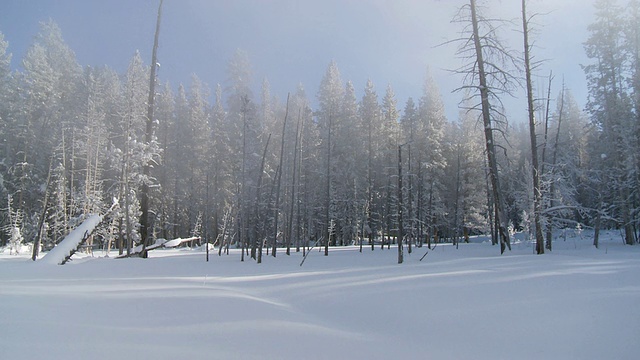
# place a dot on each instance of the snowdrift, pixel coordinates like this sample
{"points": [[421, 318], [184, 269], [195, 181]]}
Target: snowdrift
{"points": [[576, 302]]}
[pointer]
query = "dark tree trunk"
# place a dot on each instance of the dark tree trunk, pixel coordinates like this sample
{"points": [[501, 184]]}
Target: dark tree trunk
{"points": [[293, 189], [45, 203], [256, 217], [537, 193], [400, 207], [328, 193], [148, 137], [277, 207], [488, 132]]}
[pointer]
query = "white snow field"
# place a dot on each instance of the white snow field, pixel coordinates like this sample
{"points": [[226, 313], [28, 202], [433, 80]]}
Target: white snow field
{"points": [[576, 302]]}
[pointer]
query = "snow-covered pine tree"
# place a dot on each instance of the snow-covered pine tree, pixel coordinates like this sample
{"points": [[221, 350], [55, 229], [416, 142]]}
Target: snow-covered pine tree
{"points": [[428, 150], [14, 227], [370, 129], [386, 142], [165, 113], [48, 101], [610, 107], [244, 131], [330, 97]]}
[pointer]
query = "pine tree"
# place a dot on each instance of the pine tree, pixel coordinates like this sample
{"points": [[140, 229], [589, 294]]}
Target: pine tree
{"points": [[610, 106], [371, 118], [330, 97], [428, 148], [165, 114], [50, 79]]}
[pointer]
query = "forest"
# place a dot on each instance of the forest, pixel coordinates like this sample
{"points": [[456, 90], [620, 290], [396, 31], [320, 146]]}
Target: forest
{"points": [[322, 167]]}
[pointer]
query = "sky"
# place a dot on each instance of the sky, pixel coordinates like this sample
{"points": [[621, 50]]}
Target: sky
{"points": [[291, 41]]}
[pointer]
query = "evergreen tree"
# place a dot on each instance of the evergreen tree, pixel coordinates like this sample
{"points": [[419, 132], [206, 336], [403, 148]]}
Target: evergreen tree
{"points": [[610, 107], [330, 97], [50, 79], [428, 148]]}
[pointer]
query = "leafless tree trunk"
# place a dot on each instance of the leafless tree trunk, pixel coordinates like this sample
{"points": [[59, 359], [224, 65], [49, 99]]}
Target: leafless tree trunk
{"points": [[148, 137], [45, 203], [256, 234], [400, 208], [537, 193], [328, 193], [293, 188], [548, 224], [277, 207], [483, 87]]}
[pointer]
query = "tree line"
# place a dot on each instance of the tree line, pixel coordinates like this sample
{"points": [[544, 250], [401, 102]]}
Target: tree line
{"points": [[268, 174]]}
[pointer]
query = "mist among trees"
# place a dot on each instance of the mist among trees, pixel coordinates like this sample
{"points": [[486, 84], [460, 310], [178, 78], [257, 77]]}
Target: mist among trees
{"points": [[275, 174]]}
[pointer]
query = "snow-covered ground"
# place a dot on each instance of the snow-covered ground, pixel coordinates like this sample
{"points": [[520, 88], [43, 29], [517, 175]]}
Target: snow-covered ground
{"points": [[577, 302]]}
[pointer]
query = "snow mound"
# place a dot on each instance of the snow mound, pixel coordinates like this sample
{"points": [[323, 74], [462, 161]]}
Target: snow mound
{"points": [[71, 242], [178, 241]]}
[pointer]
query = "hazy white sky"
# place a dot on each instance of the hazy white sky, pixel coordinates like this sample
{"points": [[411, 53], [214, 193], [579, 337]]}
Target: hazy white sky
{"points": [[288, 41]]}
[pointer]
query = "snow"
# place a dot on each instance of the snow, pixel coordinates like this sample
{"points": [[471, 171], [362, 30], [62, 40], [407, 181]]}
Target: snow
{"points": [[577, 302], [178, 242], [70, 242]]}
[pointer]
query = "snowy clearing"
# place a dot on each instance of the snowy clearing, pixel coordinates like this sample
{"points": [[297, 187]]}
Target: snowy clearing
{"points": [[577, 302]]}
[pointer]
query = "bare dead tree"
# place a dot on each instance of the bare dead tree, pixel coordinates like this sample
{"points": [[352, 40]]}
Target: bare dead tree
{"points": [[537, 192], [45, 203], [486, 78], [279, 181], [148, 137], [548, 225], [554, 160], [293, 187], [257, 223]]}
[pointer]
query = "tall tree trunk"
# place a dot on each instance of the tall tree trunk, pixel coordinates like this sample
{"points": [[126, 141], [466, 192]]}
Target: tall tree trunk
{"points": [[400, 208], [456, 202], [257, 222], [280, 171], [410, 202], [328, 193], [293, 189], [369, 183], [148, 137], [549, 227], [537, 193], [488, 132], [45, 203], [554, 159], [419, 205]]}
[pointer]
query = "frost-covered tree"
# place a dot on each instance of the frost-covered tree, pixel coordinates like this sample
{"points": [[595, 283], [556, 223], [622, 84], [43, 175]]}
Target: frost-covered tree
{"points": [[387, 141], [165, 113], [48, 101], [244, 131], [610, 106], [467, 191], [571, 189], [198, 148], [371, 129], [6, 89], [220, 167], [14, 227], [346, 175], [129, 149], [427, 147], [330, 97]]}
